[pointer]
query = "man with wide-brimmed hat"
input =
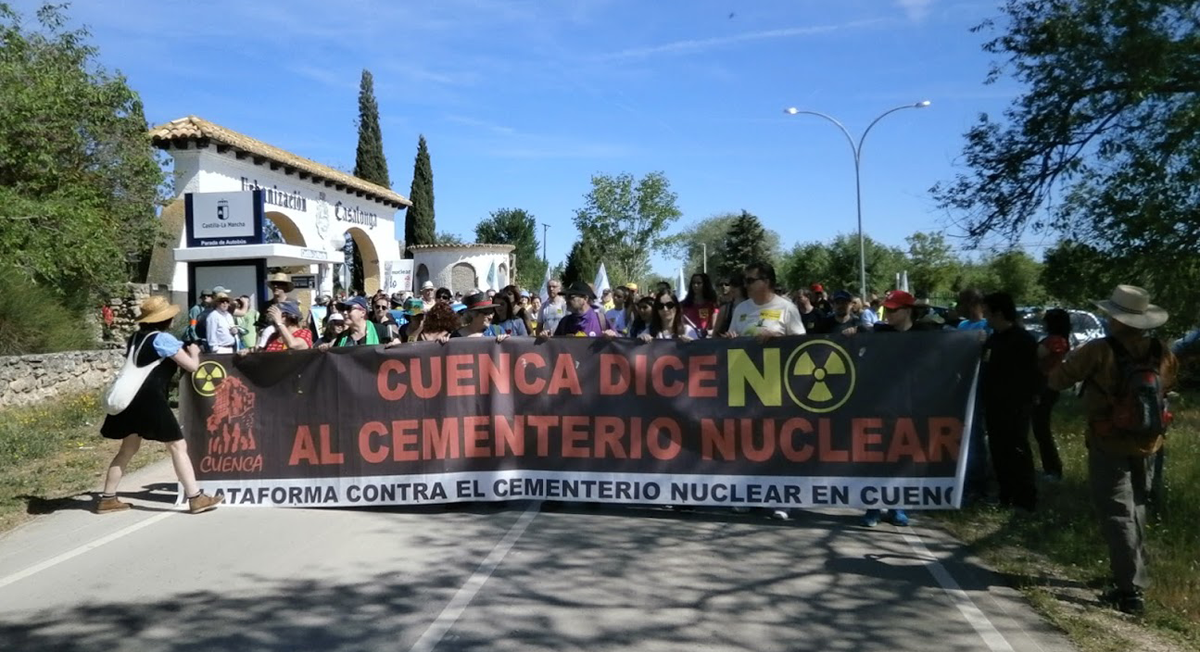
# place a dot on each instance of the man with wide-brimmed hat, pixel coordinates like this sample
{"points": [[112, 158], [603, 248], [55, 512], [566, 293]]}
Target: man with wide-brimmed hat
{"points": [[280, 285], [220, 329], [581, 320], [1119, 461]]}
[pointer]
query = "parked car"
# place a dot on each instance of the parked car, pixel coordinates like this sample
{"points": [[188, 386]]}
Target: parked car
{"points": [[1085, 326]]}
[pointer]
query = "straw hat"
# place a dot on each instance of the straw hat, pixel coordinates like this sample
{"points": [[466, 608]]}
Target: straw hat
{"points": [[1131, 306], [281, 278], [156, 309]]}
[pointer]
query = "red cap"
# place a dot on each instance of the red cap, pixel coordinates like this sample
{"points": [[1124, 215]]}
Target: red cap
{"points": [[898, 299], [817, 287]]}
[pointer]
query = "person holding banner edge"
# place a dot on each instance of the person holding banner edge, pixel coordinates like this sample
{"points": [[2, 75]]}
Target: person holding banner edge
{"points": [[764, 315], [149, 415]]}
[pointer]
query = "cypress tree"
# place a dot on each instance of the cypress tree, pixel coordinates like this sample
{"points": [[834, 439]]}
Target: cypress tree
{"points": [[745, 243], [419, 227], [369, 161], [583, 261]]}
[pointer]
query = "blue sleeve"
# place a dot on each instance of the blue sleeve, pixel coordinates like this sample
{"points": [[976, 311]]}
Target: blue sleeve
{"points": [[520, 328], [166, 345], [1188, 344]]}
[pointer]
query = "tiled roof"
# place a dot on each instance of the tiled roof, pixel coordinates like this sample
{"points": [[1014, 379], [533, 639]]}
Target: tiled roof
{"points": [[470, 245], [192, 128]]}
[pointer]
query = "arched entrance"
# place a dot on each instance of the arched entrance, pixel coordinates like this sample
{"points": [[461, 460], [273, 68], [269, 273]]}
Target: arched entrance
{"points": [[422, 276], [370, 260], [462, 278], [287, 228]]}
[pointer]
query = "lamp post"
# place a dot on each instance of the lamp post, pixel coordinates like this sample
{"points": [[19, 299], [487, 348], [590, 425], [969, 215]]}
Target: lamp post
{"points": [[545, 227], [856, 149]]}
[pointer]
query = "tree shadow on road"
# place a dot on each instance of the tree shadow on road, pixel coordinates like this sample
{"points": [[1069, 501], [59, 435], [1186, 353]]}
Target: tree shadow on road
{"points": [[577, 579]]}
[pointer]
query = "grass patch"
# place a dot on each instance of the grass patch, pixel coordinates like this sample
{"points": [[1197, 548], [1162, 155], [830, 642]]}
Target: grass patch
{"points": [[54, 450], [1058, 558]]}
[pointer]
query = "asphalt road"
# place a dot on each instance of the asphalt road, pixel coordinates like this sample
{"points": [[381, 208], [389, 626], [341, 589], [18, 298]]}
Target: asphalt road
{"points": [[489, 578]]}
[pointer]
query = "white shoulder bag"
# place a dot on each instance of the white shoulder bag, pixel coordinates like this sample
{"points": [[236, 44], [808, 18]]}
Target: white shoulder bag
{"points": [[129, 380]]}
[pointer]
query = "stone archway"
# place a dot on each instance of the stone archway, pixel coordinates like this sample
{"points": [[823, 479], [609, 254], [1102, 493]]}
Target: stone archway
{"points": [[370, 259], [463, 278], [422, 276], [287, 228]]}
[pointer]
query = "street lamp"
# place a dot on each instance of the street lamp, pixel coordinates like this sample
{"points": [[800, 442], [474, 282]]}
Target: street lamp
{"points": [[856, 149]]}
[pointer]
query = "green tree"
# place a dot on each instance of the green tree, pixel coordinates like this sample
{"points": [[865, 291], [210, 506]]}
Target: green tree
{"points": [[79, 180], [1104, 142], [1018, 274], [419, 225], [628, 220], [710, 233], [932, 265], [447, 238], [514, 226], [369, 162], [745, 242], [583, 261], [835, 264], [1075, 274], [805, 264]]}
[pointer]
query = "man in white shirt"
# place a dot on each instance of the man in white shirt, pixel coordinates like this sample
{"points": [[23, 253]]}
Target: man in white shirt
{"points": [[220, 330], [765, 314], [554, 309]]}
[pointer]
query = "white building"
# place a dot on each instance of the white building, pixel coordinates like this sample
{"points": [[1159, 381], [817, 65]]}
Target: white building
{"points": [[463, 268], [312, 205]]}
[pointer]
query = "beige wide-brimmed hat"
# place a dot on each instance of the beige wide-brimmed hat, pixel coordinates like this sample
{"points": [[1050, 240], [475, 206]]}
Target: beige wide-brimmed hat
{"points": [[281, 278], [156, 309], [1131, 306]]}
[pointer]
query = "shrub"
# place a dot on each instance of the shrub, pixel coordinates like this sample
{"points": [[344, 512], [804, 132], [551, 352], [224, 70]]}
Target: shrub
{"points": [[33, 319]]}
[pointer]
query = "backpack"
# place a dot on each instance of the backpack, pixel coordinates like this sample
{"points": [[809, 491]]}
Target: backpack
{"points": [[202, 324], [1139, 404]]}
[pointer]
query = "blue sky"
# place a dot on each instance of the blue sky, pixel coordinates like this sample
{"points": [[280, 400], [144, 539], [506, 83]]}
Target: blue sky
{"points": [[522, 101]]}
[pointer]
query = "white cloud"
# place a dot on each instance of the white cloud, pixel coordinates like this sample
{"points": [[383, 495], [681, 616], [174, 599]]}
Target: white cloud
{"points": [[699, 45], [917, 10], [481, 124]]}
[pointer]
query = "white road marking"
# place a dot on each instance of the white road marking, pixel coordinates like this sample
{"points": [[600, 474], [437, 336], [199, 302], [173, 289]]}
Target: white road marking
{"points": [[973, 615], [71, 554], [454, 609]]}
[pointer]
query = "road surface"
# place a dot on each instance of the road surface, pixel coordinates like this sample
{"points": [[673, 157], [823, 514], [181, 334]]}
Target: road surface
{"points": [[517, 577]]}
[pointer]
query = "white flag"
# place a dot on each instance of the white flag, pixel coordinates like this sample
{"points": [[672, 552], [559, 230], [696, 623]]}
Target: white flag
{"points": [[601, 281], [544, 293]]}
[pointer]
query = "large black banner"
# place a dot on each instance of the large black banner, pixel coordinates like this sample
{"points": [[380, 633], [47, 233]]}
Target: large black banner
{"points": [[874, 420]]}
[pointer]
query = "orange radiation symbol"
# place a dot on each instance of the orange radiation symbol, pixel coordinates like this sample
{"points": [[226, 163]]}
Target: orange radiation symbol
{"points": [[820, 376]]}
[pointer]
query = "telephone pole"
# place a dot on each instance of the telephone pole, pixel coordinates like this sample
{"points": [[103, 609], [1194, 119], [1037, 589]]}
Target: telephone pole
{"points": [[544, 228]]}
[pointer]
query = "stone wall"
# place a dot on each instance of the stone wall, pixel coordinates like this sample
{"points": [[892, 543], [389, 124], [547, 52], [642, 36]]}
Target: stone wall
{"points": [[125, 311], [27, 379]]}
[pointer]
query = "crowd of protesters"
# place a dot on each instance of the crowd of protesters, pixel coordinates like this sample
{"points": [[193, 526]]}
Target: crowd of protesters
{"points": [[1021, 375]]}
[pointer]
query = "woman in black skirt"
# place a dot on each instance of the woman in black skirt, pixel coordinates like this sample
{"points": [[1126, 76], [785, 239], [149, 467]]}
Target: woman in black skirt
{"points": [[149, 416]]}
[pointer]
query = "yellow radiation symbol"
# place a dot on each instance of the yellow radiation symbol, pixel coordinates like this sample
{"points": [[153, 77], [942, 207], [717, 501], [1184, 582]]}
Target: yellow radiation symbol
{"points": [[208, 378], [821, 376]]}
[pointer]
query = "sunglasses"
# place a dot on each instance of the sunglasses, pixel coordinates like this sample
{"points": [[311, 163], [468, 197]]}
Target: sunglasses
{"points": [[666, 306], [382, 306]]}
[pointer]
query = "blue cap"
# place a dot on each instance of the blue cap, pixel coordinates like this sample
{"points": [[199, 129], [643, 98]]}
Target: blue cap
{"points": [[458, 307], [290, 308], [357, 302], [842, 295]]}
